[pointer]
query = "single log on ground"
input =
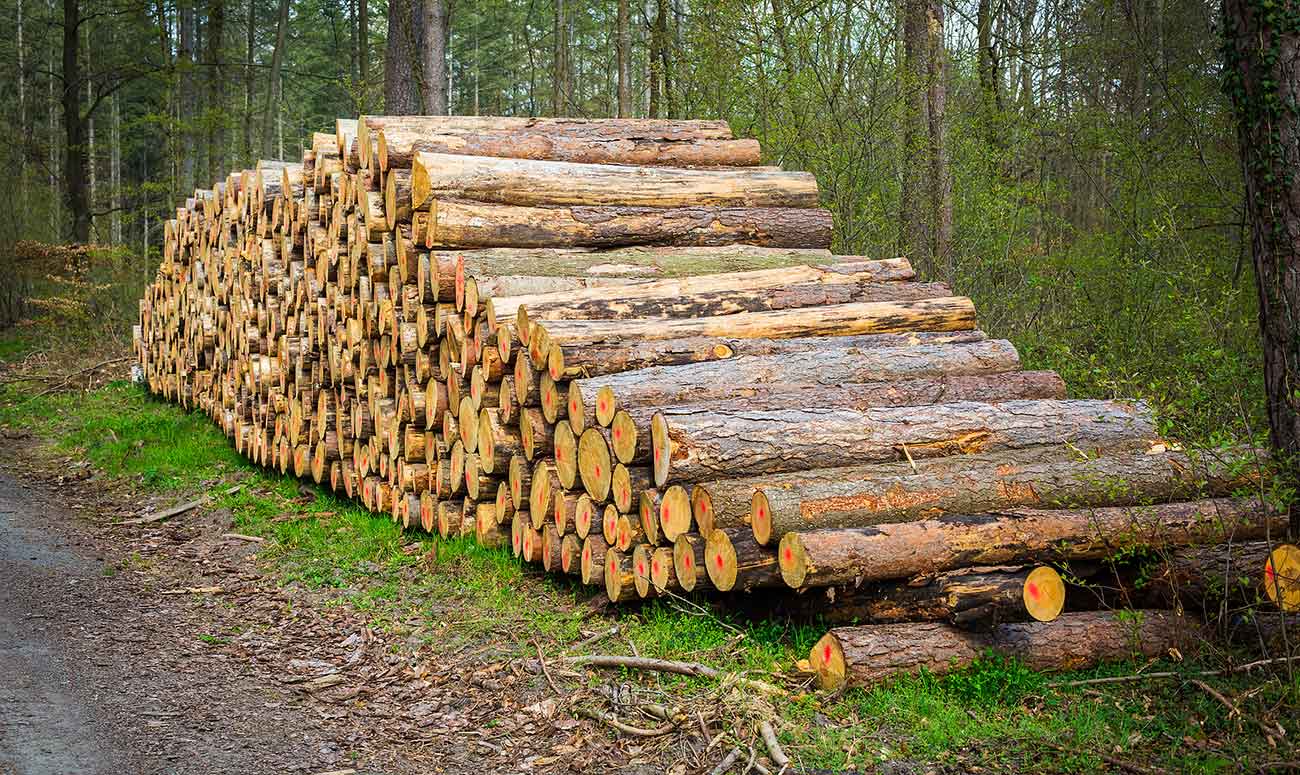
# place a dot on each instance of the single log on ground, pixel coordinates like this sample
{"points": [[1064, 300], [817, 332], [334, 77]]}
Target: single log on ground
{"points": [[534, 183], [454, 223], [692, 444], [1020, 536], [867, 655], [1052, 476]]}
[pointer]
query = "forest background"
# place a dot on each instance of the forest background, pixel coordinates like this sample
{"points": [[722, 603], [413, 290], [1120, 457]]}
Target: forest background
{"points": [[1070, 164]]}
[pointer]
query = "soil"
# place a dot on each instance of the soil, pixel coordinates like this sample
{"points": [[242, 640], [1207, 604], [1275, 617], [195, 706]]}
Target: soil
{"points": [[117, 655]]}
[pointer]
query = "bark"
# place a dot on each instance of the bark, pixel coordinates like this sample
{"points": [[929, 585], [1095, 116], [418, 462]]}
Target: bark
{"points": [[273, 91], [1262, 66], [401, 95], [435, 57], [217, 164], [534, 183], [399, 147], [1052, 477], [473, 225], [607, 357], [823, 364], [1019, 536], [74, 165], [942, 314], [643, 262], [867, 655], [692, 445], [623, 37], [721, 294]]}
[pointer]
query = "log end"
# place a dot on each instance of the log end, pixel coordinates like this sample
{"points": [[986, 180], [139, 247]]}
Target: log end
{"points": [[702, 509], [793, 560], [594, 464], [566, 455], [660, 449], [622, 430], [1282, 577], [827, 660], [720, 557], [760, 518], [577, 409], [1044, 594], [675, 512], [606, 405]]}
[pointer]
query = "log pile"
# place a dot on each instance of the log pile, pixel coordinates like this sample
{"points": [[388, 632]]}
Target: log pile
{"points": [[624, 349]]}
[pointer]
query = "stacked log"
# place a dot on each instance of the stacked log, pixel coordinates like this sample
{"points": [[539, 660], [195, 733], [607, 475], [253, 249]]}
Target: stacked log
{"points": [[624, 349]]}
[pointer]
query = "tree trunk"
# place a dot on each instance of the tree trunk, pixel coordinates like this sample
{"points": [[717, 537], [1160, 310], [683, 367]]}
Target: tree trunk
{"points": [[273, 84], [363, 53], [74, 167], [401, 97], [693, 445], [988, 69], [91, 158], [898, 551], [665, 59], [1262, 63], [624, 61], [927, 187], [251, 43], [185, 74], [532, 183], [217, 166], [559, 60], [435, 57], [867, 655]]}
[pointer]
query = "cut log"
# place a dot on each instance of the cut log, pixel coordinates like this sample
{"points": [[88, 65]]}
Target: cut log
{"points": [[454, 224], [689, 563], [692, 445], [896, 551], [955, 313], [593, 560], [1282, 577], [867, 655], [663, 576], [642, 572], [571, 554], [626, 484], [619, 582], [735, 561], [533, 183], [1053, 476], [592, 358], [723, 294], [642, 262]]}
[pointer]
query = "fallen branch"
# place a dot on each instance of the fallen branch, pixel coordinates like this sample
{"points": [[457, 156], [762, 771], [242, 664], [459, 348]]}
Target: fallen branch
{"points": [[595, 638], [541, 660], [667, 666], [727, 761], [1119, 679], [773, 747], [193, 591], [1233, 710], [242, 537], [175, 511], [608, 719]]}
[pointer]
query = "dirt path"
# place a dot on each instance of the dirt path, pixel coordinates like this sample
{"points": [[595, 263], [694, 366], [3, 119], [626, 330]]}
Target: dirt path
{"points": [[94, 680]]}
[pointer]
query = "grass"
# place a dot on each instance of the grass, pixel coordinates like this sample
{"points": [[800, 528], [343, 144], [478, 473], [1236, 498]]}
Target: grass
{"points": [[455, 594]]}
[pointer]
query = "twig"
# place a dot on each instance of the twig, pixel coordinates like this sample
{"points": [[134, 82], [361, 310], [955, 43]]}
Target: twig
{"points": [[1116, 679], [773, 747], [193, 591], [594, 638], [242, 537], [175, 511], [545, 671], [726, 762], [1123, 764], [667, 666], [628, 729], [1233, 710]]}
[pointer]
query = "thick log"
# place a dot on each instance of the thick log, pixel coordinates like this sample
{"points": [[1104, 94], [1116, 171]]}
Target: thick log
{"points": [[867, 655], [1054, 476], [642, 262], [398, 146], [735, 561], [943, 314], [1020, 536], [724, 294], [691, 444], [533, 183], [454, 224], [592, 358]]}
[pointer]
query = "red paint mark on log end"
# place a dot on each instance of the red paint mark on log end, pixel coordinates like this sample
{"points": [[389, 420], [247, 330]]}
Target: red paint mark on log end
{"points": [[788, 556], [1033, 590], [717, 560], [826, 653]]}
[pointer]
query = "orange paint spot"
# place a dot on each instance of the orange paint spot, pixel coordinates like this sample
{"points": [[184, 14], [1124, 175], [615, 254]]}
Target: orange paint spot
{"points": [[654, 567], [1268, 571], [618, 434], [687, 561], [573, 407], [597, 471], [640, 568], [789, 556], [656, 456], [586, 554]]}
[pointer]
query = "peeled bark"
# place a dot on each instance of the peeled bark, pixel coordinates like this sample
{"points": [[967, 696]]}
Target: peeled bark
{"points": [[534, 183], [460, 224], [864, 656], [1056, 476], [895, 551], [693, 445]]}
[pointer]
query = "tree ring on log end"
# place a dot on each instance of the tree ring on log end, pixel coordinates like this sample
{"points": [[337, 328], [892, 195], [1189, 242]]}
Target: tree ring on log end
{"points": [[1044, 594], [1282, 577]]}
